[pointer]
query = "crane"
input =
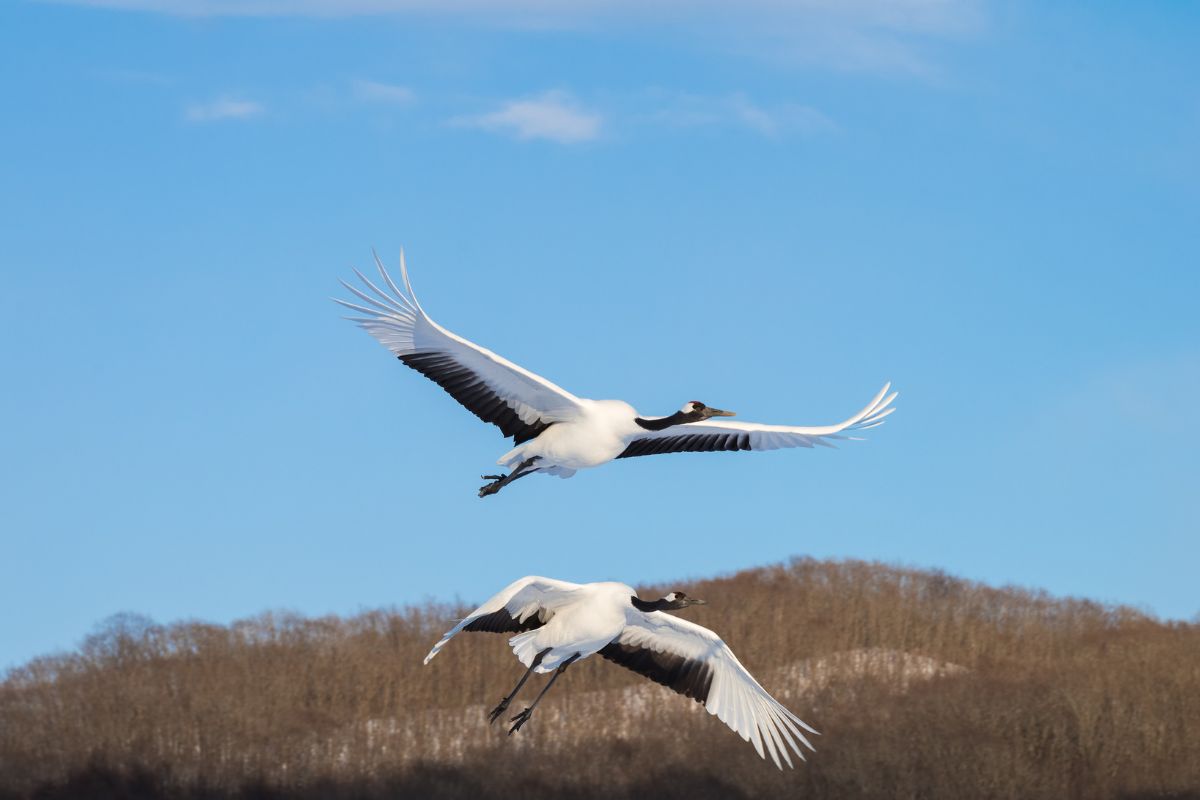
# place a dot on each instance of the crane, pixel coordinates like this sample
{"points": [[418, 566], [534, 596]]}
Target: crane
{"points": [[555, 432], [557, 623]]}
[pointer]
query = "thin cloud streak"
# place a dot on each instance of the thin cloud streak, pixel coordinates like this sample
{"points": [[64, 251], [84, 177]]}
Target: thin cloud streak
{"points": [[376, 92], [223, 108], [738, 110], [553, 116], [134, 76], [922, 16], [877, 36]]}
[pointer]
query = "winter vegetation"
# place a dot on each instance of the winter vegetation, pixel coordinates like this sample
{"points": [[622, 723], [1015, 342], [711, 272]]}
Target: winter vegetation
{"points": [[922, 685]]}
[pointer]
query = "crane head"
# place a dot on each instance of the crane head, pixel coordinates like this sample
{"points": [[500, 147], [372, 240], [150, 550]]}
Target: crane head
{"points": [[677, 600], [672, 602], [697, 411]]}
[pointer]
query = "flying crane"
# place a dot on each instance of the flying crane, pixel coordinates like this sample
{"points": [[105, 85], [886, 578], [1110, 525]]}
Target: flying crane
{"points": [[558, 623], [555, 432]]}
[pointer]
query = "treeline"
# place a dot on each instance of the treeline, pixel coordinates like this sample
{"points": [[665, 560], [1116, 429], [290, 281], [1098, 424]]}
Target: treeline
{"points": [[923, 686]]}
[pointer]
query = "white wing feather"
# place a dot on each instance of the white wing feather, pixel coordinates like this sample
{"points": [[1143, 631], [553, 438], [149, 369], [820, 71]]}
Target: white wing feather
{"points": [[773, 437], [521, 599], [734, 696], [395, 318]]}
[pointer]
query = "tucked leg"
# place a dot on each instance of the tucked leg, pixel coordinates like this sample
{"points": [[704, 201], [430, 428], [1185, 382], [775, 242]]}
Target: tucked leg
{"points": [[523, 717], [500, 709], [500, 481]]}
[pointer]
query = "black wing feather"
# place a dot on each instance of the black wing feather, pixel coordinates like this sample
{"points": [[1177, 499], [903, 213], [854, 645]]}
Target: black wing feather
{"points": [[690, 677], [474, 395], [503, 622], [687, 443]]}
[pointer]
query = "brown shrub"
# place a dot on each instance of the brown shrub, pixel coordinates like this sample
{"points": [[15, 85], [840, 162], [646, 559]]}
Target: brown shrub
{"points": [[1056, 699]]}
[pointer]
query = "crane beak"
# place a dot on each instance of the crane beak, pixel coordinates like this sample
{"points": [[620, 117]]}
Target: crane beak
{"points": [[716, 412]]}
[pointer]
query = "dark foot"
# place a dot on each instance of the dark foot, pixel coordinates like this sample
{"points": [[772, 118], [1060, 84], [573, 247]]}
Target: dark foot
{"points": [[519, 720], [498, 482], [497, 711]]}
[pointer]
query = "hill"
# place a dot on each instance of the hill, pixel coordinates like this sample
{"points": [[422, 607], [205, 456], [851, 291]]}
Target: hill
{"points": [[922, 685]]}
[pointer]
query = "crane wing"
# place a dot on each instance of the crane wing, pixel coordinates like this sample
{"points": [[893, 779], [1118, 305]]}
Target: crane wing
{"points": [[695, 662], [713, 435], [523, 605], [518, 402]]}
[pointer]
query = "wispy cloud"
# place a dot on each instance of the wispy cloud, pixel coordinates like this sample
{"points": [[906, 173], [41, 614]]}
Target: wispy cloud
{"points": [[738, 110], [375, 92], [222, 108], [554, 116], [134, 76], [880, 36], [927, 16], [844, 46]]}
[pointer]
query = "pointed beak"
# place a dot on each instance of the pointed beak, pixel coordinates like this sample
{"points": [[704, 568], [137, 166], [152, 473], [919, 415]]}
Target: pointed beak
{"points": [[716, 412], [699, 602]]}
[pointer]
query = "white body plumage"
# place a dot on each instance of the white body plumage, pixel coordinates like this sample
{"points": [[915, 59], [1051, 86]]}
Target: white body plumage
{"points": [[600, 433], [585, 619]]}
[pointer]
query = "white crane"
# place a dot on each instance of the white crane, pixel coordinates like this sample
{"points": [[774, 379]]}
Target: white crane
{"points": [[557, 623], [556, 432]]}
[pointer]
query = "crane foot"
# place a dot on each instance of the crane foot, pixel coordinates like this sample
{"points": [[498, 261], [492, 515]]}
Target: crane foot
{"points": [[519, 720], [497, 711]]}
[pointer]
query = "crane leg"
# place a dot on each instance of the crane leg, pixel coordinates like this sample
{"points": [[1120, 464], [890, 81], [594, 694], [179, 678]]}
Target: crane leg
{"points": [[523, 717], [500, 709], [498, 482]]}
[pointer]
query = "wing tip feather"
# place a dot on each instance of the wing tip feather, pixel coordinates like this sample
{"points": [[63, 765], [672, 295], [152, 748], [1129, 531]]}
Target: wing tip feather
{"points": [[408, 283]]}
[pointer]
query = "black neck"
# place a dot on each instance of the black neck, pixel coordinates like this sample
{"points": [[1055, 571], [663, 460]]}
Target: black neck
{"points": [[678, 418], [662, 604]]}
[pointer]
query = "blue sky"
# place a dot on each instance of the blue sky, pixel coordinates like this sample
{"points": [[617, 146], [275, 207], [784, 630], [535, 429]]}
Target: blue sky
{"points": [[773, 210]]}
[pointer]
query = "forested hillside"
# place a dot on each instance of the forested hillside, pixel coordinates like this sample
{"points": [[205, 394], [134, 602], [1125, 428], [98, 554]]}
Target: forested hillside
{"points": [[922, 685]]}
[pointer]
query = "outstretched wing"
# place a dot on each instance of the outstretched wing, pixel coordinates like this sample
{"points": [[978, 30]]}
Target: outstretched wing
{"points": [[693, 661], [518, 402], [713, 435], [521, 606]]}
